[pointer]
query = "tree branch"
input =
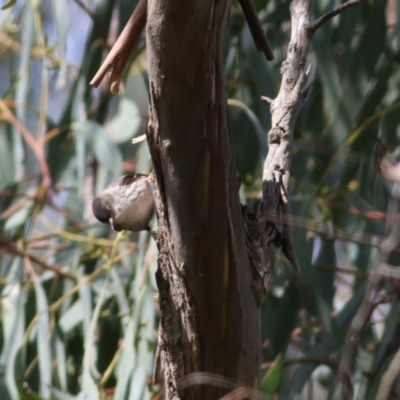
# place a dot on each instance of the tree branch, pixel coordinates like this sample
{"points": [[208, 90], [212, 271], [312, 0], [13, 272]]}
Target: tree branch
{"points": [[284, 109], [389, 377], [12, 249], [274, 217], [256, 28], [118, 57], [312, 28], [37, 149], [209, 316]]}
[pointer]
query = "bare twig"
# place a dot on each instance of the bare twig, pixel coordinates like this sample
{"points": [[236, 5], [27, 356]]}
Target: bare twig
{"points": [[345, 387], [340, 270], [256, 29], [118, 57], [37, 149], [305, 360], [139, 139], [266, 99], [388, 378], [11, 248], [312, 28]]}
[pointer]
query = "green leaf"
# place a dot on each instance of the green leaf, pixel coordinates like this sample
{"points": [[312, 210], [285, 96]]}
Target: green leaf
{"points": [[7, 163], [325, 257], [72, 317], [279, 318], [62, 23], [60, 350], [9, 4], [97, 139], [43, 338], [128, 360], [337, 111], [365, 56], [388, 338], [255, 122], [19, 217], [89, 372], [348, 312], [273, 377], [13, 324], [60, 395], [304, 371], [126, 124], [372, 390]]}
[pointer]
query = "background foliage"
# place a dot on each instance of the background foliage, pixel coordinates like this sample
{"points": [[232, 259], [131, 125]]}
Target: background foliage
{"points": [[79, 306]]}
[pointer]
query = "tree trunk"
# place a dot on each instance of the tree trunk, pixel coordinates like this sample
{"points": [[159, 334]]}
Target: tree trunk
{"points": [[210, 318]]}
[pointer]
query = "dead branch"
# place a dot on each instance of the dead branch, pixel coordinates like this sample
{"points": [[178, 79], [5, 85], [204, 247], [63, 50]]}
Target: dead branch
{"points": [[285, 109], [312, 28], [256, 29], [118, 57]]}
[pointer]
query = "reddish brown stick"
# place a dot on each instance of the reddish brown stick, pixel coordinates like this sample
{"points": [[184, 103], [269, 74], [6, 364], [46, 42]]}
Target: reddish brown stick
{"points": [[119, 55]]}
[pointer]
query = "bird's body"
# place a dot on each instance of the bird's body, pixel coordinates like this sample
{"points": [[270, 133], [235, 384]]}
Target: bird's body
{"points": [[126, 204]]}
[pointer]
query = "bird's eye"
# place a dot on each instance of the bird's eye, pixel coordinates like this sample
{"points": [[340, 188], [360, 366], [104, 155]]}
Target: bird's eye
{"points": [[108, 207]]}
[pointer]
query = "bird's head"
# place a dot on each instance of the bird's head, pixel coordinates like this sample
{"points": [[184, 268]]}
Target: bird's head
{"points": [[103, 210]]}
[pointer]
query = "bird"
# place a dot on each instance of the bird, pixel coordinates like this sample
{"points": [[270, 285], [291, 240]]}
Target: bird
{"points": [[127, 203]]}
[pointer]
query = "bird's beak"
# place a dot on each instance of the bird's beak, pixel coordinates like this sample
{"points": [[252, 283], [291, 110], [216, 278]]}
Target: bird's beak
{"points": [[111, 221]]}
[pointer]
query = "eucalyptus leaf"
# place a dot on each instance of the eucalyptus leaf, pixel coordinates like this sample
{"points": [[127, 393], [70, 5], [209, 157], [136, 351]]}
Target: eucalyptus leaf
{"points": [[272, 379], [97, 139], [43, 338], [9, 4], [13, 325], [19, 217], [62, 21], [304, 371], [126, 124], [72, 317]]}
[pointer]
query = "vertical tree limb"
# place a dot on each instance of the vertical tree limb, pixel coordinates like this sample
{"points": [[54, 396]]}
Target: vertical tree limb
{"points": [[209, 294], [210, 318], [273, 222]]}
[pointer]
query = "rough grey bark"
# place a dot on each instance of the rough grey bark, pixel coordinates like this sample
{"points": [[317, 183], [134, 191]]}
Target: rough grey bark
{"points": [[210, 320], [210, 291]]}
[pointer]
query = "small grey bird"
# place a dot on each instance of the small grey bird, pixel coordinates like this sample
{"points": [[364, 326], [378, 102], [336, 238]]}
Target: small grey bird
{"points": [[127, 203]]}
